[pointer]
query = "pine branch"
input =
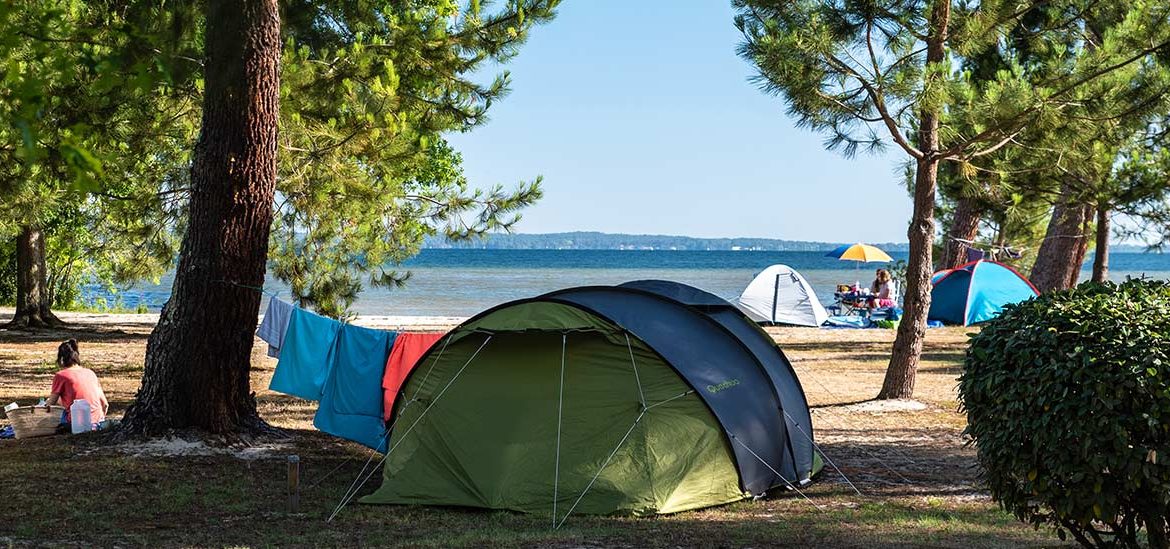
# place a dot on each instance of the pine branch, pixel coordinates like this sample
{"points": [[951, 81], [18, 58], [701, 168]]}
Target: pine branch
{"points": [[878, 101]]}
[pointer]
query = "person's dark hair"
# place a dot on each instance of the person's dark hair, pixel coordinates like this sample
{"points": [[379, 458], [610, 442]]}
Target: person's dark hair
{"points": [[67, 354]]}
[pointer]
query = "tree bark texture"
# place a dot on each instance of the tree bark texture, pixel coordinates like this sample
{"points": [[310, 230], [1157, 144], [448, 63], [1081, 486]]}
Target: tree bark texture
{"points": [[1101, 250], [899, 380], [903, 368], [33, 301], [198, 357], [1058, 262], [964, 226], [1082, 247]]}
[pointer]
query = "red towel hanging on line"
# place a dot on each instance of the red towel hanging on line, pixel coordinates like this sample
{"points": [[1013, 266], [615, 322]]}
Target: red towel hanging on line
{"points": [[408, 348]]}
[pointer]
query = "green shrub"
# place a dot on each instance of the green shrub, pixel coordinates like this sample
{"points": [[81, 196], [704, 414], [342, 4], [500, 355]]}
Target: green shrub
{"points": [[1068, 404]]}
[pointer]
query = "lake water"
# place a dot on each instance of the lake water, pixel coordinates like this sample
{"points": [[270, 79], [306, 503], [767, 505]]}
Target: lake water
{"points": [[465, 282]]}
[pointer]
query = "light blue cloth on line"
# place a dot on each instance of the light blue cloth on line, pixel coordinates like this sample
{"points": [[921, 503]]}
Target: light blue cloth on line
{"points": [[351, 404], [306, 356], [274, 327]]}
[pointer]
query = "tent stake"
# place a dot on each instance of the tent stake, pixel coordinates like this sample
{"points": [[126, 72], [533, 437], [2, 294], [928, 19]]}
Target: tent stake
{"points": [[294, 483]]}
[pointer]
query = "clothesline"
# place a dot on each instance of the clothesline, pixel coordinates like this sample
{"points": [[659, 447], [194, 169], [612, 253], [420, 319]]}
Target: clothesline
{"points": [[249, 287], [975, 252], [353, 372]]}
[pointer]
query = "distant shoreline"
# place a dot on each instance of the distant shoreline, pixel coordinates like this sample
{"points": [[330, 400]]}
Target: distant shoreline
{"points": [[591, 240]]}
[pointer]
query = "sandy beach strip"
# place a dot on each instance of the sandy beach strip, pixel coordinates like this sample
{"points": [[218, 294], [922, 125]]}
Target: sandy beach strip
{"points": [[135, 323]]}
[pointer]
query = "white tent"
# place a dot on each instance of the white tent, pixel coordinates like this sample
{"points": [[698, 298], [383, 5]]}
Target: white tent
{"points": [[780, 295]]}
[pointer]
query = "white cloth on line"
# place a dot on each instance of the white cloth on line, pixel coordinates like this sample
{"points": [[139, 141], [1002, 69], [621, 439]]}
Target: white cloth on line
{"points": [[275, 325]]}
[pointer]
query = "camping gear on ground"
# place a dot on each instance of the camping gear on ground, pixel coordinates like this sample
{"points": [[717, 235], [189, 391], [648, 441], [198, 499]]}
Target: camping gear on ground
{"points": [[848, 321], [306, 355], [649, 398], [11, 407], [35, 421], [351, 399], [976, 292], [80, 417], [7, 432], [408, 348], [861, 253], [780, 295], [275, 325]]}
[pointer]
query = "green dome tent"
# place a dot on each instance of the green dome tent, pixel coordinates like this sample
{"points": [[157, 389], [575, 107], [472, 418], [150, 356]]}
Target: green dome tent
{"points": [[651, 397]]}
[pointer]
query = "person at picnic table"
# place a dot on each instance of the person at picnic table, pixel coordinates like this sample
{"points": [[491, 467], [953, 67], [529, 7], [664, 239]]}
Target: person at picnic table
{"points": [[882, 290], [75, 382]]}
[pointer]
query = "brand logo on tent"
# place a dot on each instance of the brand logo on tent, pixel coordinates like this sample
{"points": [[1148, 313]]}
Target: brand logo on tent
{"points": [[723, 386]]}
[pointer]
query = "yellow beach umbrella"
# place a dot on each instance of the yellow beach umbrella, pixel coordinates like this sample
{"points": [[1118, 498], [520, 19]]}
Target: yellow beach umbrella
{"points": [[860, 252]]}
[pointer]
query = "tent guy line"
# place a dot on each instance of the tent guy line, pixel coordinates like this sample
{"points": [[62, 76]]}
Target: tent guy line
{"points": [[603, 466], [560, 409], [769, 466], [823, 454], [350, 497], [845, 421], [630, 348]]}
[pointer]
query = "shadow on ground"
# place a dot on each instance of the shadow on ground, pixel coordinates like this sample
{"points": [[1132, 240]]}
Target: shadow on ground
{"points": [[224, 500]]}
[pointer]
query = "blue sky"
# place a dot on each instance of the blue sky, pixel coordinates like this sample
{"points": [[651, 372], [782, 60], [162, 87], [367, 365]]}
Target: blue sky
{"points": [[641, 118]]}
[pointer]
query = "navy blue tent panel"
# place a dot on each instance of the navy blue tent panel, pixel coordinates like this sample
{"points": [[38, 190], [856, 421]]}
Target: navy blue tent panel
{"points": [[682, 293], [722, 372], [794, 406]]}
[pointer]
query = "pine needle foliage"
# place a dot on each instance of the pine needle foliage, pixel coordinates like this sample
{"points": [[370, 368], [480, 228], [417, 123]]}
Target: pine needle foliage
{"points": [[92, 137], [864, 73], [369, 90]]}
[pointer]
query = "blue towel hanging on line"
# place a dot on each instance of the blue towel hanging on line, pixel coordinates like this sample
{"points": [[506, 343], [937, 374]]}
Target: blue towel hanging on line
{"points": [[306, 356], [351, 403]]}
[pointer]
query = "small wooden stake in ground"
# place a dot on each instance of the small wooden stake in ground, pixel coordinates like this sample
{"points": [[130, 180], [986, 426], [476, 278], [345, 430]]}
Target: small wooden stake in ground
{"points": [[294, 484]]}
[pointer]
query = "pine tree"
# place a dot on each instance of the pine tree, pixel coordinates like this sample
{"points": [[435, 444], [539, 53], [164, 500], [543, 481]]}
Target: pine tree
{"points": [[90, 134], [365, 174], [1077, 158], [368, 91], [852, 70]]}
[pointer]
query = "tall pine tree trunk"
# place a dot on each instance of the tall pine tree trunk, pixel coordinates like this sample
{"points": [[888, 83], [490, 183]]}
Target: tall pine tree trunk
{"points": [[964, 226], [33, 300], [198, 356], [1101, 252], [899, 380], [1082, 247], [1058, 262]]}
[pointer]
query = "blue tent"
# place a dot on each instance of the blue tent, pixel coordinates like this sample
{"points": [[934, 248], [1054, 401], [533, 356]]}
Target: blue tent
{"points": [[976, 292]]}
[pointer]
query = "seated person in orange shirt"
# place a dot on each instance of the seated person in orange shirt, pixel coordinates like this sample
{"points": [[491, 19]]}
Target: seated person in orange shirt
{"points": [[75, 382]]}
